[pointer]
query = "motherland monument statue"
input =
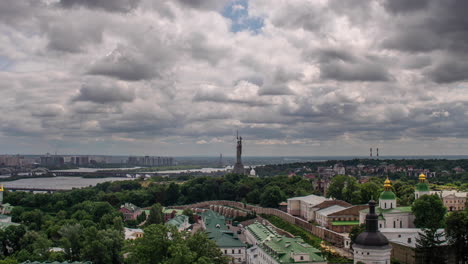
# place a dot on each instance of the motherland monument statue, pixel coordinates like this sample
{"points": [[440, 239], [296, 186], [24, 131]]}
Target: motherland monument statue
{"points": [[239, 167]]}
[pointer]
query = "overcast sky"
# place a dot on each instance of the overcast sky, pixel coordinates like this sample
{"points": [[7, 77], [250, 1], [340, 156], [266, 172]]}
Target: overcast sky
{"points": [[179, 77]]}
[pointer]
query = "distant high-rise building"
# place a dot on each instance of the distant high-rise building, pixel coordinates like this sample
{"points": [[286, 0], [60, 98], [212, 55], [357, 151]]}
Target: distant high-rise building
{"points": [[52, 160], [377, 152], [370, 152], [150, 161]]}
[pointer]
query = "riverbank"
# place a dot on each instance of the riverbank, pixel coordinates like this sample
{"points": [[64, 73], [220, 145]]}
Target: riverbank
{"points": [[60, 182]]}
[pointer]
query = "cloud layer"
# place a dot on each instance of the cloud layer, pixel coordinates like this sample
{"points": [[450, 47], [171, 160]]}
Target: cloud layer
{"points": [[296, 77]]}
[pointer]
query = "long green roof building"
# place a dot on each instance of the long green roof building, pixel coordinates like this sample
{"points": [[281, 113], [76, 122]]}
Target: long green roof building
{"points": [[228, 241], [270, 247]]}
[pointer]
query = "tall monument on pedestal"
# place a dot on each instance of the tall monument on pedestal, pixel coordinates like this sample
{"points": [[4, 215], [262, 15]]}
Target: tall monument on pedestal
{"points": [[1, 194], [239, 167]]}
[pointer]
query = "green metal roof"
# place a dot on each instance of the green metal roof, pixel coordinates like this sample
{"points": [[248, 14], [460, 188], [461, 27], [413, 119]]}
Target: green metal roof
{"points": [[422, 187], [280, 247], [261, 232], [218, 232], [402, 209], [169, 211], [177, 221], [342, 223], [387, 195]]}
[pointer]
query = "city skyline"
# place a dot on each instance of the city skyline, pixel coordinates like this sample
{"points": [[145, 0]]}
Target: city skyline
{"points": [[178, 78]]}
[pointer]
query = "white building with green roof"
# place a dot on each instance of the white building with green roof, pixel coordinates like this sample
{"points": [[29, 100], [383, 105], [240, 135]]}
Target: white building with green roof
{"points": [[181, 222], [422, 188], [272, 248], [390, 214], [227, 241]]}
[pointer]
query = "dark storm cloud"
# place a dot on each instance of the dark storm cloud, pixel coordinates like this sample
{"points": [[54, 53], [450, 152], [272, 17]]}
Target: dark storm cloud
{"points": [[109, 5], [103, 93], [125, 64]]}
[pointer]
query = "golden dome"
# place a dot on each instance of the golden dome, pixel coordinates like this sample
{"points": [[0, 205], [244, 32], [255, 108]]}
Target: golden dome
{"points": [[422, 176], [387, 184]]}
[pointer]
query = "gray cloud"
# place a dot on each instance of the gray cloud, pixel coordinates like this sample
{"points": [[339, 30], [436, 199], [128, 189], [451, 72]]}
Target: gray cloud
{"points": [[125, 64], [204, 4], [109, 5], [221, 97], [68, 36], [103, 93], [342, 71], [449, 70], [402, 6], [443, 25], [147, 76]]}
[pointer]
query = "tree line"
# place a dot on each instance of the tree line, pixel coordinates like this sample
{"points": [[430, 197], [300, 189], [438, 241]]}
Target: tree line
{"points": [[87, 225]]}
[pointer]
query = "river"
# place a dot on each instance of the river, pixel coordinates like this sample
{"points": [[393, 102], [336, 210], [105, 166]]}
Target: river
{"points": [[67, 183], [62, 183]]}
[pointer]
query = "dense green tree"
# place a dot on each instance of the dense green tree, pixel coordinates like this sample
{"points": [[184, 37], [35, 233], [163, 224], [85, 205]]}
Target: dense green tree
{"points": [[34, 246], [429, 212], [191, 215], [368, 191], [228, 191], [428, 246], [205, 250], [172, 193], [457, 234], [72, 240], [164, 244], [10, 238], [344, 188], [102, 246], [253, 197], [272, 196], [141, 218], [156, 215]]}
